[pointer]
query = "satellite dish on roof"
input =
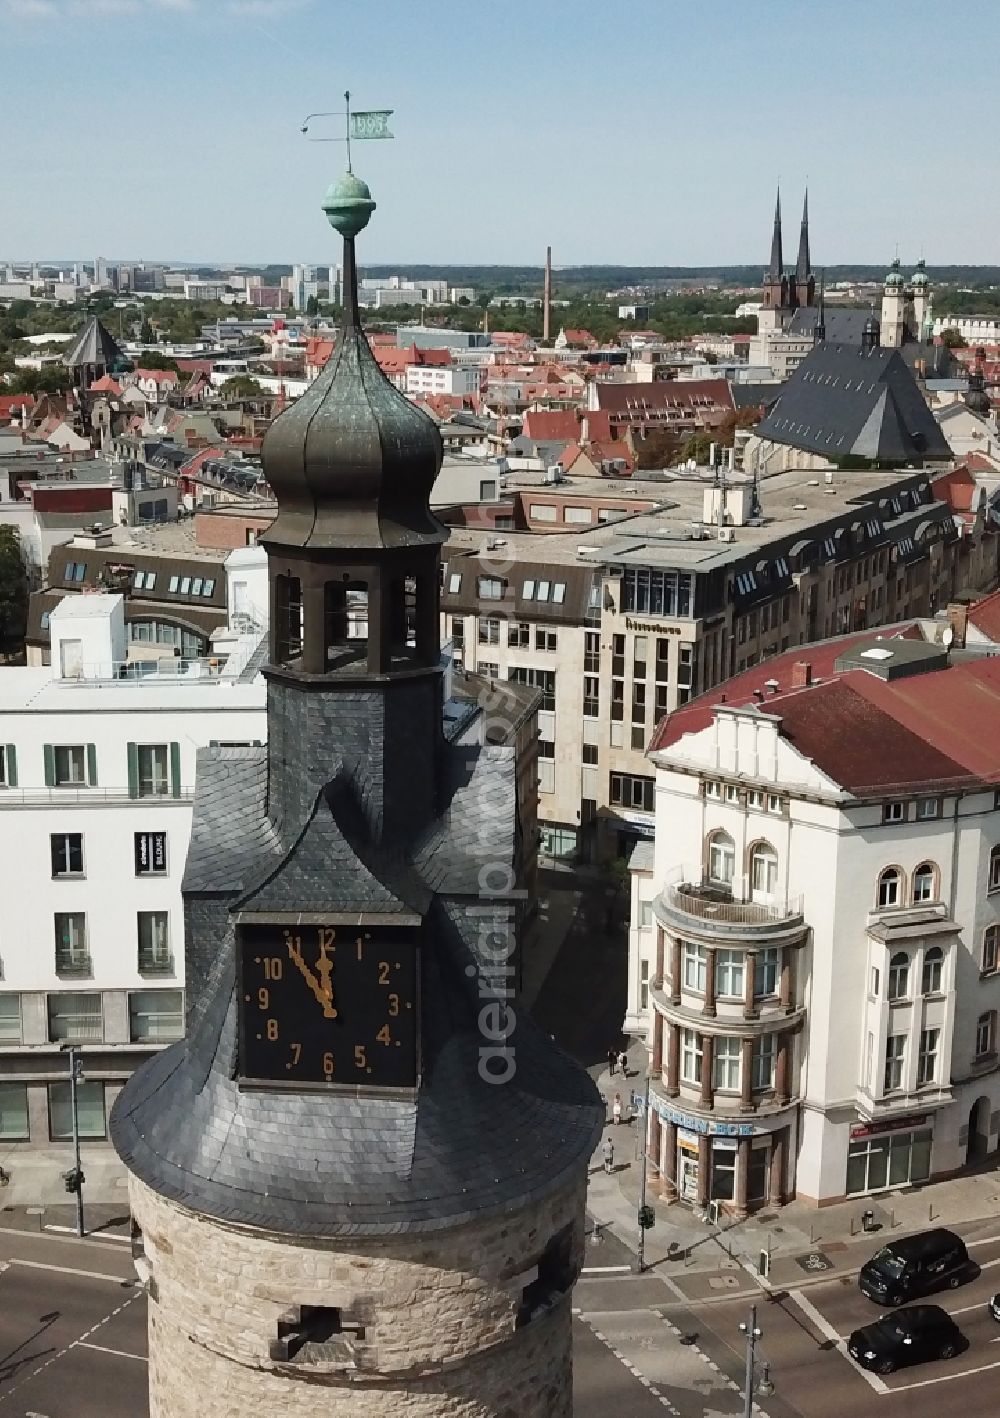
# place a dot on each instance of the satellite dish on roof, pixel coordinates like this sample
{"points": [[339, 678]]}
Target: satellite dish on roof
{"points": [[948, 636]]}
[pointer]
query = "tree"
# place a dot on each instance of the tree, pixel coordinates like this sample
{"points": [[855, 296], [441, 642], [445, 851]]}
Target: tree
{"points": [[154, 360], [13, 591], [312, 305], [50, 379], [952, 339], [147, 335], [241, 386]]}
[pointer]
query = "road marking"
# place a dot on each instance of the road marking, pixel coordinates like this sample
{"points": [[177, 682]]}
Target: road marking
{"points": [[606, 1270], [827, 1330], [68, 1270], [946, 1378], [120, 1353], [91, 1235], [61, 1353]]}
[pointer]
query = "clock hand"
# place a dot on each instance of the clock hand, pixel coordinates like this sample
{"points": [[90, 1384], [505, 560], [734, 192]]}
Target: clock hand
{"points": [[323, 992], [324, 969]]}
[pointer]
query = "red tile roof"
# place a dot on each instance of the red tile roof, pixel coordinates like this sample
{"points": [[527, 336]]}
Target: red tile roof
{"points": [[159, 376], [553, 425], [956, 487], [820, 656], [105, 385], [985, 616], [867, 734], [619, 397], [580, 337], [12, 404]]}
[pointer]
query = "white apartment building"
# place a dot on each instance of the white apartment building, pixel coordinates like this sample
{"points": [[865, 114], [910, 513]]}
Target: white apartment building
{"points": [[814, 951], [97, 773], [460, 379]]}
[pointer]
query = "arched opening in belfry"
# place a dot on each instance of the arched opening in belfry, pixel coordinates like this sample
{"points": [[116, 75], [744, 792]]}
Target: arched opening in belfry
{"points": [[288, 626]]}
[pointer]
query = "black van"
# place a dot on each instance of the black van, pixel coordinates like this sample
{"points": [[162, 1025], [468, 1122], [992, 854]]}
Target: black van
{"points": [[915, 1265]]}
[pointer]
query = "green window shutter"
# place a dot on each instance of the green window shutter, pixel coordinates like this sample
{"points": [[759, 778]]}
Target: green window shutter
{"points": [[50, 765], [133, 770], [11, 766], [175, 769], [92, 764]]}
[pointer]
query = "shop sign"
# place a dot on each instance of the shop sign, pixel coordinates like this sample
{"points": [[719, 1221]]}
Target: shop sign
{"points": [[655, 626], [915, 1120], [715, 1127]]}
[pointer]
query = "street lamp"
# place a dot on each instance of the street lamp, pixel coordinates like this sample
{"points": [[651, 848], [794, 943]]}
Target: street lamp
{"points": [[763, 1386], [74, 1178]]}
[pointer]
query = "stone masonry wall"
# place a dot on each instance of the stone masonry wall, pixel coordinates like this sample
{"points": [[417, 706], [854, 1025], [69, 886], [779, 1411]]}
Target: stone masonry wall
{"points": [[439, 1316]]}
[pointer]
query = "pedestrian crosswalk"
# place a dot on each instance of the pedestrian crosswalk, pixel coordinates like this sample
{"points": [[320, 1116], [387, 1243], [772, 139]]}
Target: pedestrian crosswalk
{"points": [[686, 1381]]}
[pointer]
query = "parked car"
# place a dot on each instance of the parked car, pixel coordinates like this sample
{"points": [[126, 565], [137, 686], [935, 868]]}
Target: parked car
{"points": [[915, 1265], [995, 1308], [908, 1336]]}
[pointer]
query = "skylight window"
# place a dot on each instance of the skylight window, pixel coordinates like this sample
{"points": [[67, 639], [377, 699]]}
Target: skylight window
{"points": [[876, 653]]}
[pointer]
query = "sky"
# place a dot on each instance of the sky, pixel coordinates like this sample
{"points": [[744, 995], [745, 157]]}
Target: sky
{"points": [[644, 132]]}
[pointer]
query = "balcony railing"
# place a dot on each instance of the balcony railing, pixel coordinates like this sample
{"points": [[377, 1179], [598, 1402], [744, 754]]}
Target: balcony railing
{"points": [[155, 962], [684, 890], [73, 963]]}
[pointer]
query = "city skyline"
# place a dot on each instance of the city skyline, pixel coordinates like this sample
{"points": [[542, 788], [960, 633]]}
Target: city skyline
{"points": [[687, 135]]}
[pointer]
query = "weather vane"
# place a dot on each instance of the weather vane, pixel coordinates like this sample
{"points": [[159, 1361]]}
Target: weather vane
{"points": [[371, 123]]}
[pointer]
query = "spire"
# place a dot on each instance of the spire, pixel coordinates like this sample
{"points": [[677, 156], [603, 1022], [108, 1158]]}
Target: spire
{"points": [[819, 330], [776, 267], [803, 268]]}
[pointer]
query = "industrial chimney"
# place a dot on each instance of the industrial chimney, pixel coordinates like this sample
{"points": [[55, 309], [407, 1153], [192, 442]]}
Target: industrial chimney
{"points": [[547, 298]]}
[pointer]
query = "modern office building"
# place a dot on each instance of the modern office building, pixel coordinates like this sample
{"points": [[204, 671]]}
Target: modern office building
{"points": [[622, 598]]}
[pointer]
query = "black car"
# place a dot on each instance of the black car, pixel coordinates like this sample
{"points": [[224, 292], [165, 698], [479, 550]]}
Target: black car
{"points": [[995, 1308], [909, 1336], [914, 1266]]}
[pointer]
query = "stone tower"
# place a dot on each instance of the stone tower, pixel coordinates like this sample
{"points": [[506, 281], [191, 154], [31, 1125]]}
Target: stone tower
{"points": [[360, 1179], [893, 320]]}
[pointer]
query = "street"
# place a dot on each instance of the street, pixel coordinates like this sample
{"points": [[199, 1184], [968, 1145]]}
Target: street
{"points": [[73, 1342]]}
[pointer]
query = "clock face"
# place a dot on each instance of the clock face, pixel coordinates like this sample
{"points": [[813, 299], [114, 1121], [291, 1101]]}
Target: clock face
{"points": [[328, 1005]]}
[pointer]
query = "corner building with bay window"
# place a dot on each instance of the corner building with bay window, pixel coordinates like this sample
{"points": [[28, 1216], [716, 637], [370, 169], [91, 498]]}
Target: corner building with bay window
{"points": [[815, 931]]}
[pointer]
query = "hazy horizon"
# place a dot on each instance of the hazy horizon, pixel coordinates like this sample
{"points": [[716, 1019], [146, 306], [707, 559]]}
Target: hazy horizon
{"points": [[653, 138]]}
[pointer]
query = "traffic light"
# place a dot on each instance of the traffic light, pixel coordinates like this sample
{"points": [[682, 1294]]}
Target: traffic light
{"points": [[647, 1218], [74, 1179]]}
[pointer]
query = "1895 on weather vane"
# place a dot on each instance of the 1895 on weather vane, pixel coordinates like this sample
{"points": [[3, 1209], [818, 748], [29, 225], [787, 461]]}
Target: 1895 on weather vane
{"points": [[328, 1004]]}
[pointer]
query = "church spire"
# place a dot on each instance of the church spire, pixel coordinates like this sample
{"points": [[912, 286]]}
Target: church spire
{"points": [[776, 268], [804, 288], [803, 269]]}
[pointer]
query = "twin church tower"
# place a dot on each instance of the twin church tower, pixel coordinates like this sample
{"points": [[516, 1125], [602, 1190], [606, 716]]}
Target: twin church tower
{"points": [[348, 1210]]}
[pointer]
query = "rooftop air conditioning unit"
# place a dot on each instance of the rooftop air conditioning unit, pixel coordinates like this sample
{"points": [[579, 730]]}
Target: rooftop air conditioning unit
{"points": [[727, 534]]}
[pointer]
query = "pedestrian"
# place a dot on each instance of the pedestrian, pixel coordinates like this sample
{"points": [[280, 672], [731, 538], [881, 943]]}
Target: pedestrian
{"points": [[609, 1156], [616, 1109], [612, 1060], [623, 1063]]}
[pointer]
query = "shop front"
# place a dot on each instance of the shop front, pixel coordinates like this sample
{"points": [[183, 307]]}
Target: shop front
{"points": [[891, 1153], [702, 1160]]}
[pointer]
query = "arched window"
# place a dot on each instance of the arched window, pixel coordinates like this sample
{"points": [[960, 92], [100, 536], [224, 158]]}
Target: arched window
{"points": [[721, 859], [930, 983], [890, 887], [899, 975], [925, 882], [763, 871]]}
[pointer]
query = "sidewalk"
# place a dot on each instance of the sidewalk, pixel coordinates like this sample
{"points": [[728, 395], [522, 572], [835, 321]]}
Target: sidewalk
{"points": [[36, 1176], [804, 1243]]}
